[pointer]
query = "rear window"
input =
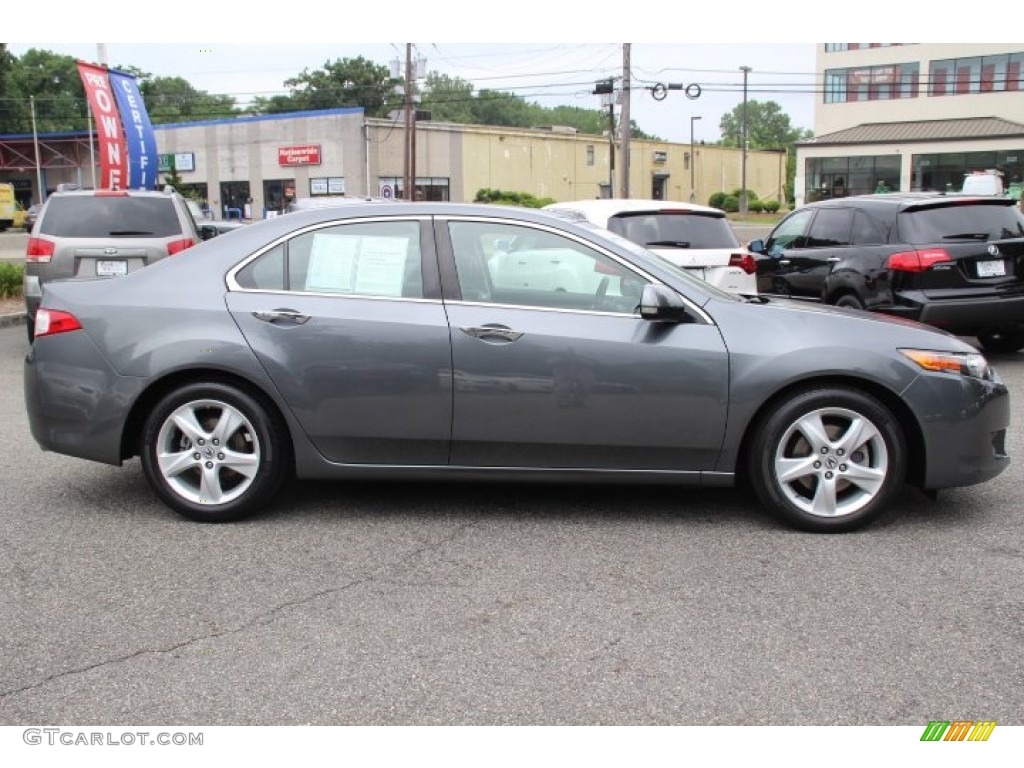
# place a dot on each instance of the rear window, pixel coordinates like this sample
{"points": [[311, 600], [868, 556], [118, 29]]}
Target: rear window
{"points": [[946, 223], [682, 229], [87, 216]]}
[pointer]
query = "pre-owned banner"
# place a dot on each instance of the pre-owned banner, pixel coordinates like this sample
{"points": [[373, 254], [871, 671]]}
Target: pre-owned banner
{"points": [[113, 152], [142, 155]]}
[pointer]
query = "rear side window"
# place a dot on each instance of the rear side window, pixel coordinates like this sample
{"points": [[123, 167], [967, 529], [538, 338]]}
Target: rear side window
{"points": [[679, 229], [88, 216], [948, 223]]}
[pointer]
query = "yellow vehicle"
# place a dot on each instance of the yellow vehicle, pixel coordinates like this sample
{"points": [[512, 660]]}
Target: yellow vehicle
{"points": [[7, 207]]}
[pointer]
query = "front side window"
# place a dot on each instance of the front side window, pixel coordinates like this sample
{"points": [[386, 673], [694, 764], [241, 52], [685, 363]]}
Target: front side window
{"points": [[522, 266], [831, 228], [791, 232], [380, 259]]}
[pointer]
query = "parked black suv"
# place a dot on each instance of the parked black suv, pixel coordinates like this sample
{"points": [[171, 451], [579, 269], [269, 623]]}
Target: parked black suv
{"points": [[952, 261]]}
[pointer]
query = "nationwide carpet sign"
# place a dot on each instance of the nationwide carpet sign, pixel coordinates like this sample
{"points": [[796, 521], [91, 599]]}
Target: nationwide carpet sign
{"points": [[128, 157]]}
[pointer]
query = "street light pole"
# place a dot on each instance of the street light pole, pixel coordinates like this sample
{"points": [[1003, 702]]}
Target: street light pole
{"points": [[693, 160], [743, 170]]}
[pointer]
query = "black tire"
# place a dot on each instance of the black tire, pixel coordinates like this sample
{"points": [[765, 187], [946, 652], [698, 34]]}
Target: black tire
{"points": [[849, 300], [845, 454], [1002, 340], [211, 488]]}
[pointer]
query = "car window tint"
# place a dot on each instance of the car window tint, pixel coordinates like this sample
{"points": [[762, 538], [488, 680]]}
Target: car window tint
{"points": [[522, 266], [380, 258], [790, 233], [110, 216], [265, 273], [831, 227], [866, 230], [945, 223], [680, 228]]}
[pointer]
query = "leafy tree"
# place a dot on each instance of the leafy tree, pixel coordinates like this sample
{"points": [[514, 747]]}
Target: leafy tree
{"points": [[768, 127], [174, 99], [449, 99], [354, 82], [53, 80]]}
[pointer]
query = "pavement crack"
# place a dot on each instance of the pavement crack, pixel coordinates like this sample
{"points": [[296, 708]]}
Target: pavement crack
{"points": [[261, 620]]}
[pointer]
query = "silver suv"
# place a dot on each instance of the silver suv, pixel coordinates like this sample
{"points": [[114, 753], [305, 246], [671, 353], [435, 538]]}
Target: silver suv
{"points": [[103, 233]]}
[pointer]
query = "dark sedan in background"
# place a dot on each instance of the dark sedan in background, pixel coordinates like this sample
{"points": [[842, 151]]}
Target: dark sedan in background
{"points": [[434, 340]]}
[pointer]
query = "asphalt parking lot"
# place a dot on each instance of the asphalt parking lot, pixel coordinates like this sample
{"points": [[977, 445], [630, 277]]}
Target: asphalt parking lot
{"points": [[477, 604]]}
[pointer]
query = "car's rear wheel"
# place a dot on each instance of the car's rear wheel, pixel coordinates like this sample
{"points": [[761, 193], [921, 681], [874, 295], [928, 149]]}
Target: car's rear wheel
{"points": [[1002, 340], [849, 300], [213, 453], [828, 459]]}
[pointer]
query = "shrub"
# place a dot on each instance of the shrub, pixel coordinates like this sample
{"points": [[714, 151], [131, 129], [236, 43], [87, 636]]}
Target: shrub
{"points": [[525, 199], [731, 204], [717, 200], [751, 195], [755, 206], [11, 276], [771, 206]]}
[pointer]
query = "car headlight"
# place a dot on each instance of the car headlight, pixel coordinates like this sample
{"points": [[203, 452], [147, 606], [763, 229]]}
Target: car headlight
{"points": [[962, 363]]}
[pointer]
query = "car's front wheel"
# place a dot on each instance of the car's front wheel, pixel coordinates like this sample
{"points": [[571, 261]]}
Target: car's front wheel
{"points": [[828, 459], [213, 452]]}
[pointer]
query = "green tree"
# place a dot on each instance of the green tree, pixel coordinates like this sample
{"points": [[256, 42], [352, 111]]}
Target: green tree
{"points": [[53, 81], [174, 99], [354, 82], [768, 127], [449, 99]]}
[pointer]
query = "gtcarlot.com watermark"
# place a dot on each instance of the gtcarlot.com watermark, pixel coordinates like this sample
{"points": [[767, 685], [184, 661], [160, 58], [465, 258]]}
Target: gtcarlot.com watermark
{"points": [[72, 738]]}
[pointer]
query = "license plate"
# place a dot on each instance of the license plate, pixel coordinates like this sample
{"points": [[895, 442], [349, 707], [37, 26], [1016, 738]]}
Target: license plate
{"points": [[991, 268], [111, 268]]}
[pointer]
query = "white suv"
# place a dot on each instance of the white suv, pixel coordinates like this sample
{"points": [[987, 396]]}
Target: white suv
{"points": [[694, 237]]}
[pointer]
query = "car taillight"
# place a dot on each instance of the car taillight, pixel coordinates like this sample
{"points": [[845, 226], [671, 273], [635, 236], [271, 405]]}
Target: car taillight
{"points": [[179, 245], [917, 261], [39, 251], [52, 321], [744, 261]]}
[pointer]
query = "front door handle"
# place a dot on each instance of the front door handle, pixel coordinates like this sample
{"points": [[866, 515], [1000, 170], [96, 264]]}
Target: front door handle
{"points": [[281, 316], [833, 259], [492, 332]]}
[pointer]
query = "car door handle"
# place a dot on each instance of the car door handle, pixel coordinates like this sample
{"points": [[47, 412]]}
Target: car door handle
{"points": [[783, 261], [281, 315], [833, 259], [484, 332]]}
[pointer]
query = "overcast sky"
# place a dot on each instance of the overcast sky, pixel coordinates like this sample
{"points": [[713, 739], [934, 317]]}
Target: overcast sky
{"points": [[558, 68]]}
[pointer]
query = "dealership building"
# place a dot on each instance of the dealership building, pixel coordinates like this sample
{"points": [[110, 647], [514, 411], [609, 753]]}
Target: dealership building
{"points": [[250, 166], [913, 116]]}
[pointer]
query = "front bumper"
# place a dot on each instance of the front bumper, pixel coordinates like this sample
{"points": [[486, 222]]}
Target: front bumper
{"points": [[963, 422]]}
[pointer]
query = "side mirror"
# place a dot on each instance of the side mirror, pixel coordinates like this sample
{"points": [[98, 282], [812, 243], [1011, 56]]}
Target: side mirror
{"points": [[756, 246], [662, 305], [208, 231]]}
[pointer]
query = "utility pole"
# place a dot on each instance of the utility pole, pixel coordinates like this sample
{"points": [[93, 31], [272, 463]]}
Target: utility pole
{"points": [[743, 138], [606, 90], [625, 120], [693, 160], [409, 179]]}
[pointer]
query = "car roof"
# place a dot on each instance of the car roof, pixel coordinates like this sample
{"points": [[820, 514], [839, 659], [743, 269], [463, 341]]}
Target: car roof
{"points": [[910, 199], [600, 210]]}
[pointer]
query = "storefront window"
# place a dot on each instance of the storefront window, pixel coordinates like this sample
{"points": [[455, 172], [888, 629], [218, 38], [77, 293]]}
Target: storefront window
{"points": [[831, 177]]}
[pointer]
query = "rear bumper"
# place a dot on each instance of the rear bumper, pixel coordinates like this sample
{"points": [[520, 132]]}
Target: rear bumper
{"points": [[963, 317], [77, 404]]}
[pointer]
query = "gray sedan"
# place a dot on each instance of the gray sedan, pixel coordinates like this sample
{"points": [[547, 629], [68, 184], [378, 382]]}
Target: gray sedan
{"points": [[456, 341]]}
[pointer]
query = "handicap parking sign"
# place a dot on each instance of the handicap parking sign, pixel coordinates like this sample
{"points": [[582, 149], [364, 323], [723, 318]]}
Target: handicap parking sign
{"points": [[387, 191]]}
